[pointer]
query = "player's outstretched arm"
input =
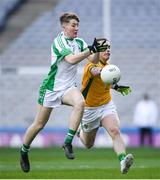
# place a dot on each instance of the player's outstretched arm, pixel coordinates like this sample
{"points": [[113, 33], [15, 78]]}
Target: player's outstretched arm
{"points": [[94, 58], [99, 45], [76, 58]]}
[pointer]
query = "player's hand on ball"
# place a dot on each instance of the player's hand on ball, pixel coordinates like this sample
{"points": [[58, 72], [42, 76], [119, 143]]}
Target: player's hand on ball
{"points": [[124, 90], [99, 45]]}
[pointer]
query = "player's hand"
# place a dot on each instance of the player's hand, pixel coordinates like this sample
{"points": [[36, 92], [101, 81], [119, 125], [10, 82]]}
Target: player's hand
{"points": [[99, 45], [124, 90]]}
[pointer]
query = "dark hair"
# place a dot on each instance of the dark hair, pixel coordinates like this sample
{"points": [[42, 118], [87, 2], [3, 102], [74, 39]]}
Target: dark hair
{"points": [[66, 17]]}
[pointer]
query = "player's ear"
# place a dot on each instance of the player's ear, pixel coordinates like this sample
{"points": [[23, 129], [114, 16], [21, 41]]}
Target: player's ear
{"points": [[63, 25]]}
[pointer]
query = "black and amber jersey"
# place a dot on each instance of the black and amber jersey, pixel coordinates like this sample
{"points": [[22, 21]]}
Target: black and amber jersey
{"points": [[95, 92]]}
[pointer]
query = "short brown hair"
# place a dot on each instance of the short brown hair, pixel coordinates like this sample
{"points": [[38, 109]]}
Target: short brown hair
{"points": [[66, 17]]}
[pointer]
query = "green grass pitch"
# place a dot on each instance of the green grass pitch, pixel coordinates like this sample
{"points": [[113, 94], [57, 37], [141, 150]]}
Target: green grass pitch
{"points": [[102, 163]]}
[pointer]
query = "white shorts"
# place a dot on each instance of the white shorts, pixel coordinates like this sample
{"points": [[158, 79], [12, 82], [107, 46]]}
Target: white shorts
{"points": [[54, 98], [93, 115]]}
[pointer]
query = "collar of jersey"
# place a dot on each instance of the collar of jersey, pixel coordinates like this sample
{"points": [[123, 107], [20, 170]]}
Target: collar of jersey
{"points": [[70, 39], [67, 38]]}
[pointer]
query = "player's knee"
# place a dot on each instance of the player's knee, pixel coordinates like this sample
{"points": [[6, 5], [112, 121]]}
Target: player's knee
{"points": [[39, 126], [80, 105], [114, 132], [88, 145]]}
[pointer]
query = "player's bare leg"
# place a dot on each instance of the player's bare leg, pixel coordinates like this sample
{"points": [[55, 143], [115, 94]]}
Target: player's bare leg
{"points": [[88, 138], [111, 124], [75, 99], [41, 119]]}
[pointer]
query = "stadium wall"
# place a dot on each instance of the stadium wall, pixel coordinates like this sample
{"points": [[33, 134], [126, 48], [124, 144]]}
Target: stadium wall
{"points": [[12, 137]]}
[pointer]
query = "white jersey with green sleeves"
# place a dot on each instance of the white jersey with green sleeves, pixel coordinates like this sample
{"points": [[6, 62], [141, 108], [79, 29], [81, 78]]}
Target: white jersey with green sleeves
{"points": [[62, 74]]}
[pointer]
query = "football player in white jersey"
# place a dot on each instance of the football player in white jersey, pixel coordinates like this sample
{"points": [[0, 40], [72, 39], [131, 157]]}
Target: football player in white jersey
{"points": [[59, 87]]}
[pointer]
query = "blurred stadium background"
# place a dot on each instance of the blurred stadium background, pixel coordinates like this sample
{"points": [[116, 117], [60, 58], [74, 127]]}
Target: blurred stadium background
{"points": [[27, 28]]}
